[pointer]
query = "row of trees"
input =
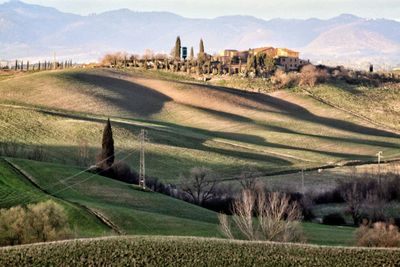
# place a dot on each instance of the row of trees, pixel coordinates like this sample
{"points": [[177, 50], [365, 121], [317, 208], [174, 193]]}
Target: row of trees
{"points": [[20, 65]]}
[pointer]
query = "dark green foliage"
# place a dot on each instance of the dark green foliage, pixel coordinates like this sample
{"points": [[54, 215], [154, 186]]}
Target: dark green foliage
{"points": [[107, 153], [201, 47], [333, 219], [201, 55], [178, 48], [174, 251]]}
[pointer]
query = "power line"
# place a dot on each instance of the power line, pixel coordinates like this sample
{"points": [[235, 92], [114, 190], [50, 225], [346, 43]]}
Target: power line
{"points": [[45, 189], [142, 172]]}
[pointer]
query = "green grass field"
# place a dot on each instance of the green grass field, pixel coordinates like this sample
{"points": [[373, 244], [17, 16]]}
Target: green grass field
{"points": [[178, 251], [131, 210], [17, 190]]}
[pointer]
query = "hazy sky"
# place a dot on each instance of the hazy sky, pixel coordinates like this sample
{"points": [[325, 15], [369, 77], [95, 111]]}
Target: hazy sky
{"points": [[260, 8]]}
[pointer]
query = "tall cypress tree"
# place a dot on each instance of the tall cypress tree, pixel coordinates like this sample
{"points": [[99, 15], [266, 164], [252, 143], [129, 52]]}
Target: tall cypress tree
{"points": [[201, 57], [178, 48], [191, 57], [107, 152]]}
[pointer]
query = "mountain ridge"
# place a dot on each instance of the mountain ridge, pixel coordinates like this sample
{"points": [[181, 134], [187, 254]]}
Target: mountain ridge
{"points": [[34, 31]]}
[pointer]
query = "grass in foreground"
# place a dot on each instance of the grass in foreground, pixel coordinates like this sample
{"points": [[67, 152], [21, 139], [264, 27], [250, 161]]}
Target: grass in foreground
{"points": [[176, 251]]}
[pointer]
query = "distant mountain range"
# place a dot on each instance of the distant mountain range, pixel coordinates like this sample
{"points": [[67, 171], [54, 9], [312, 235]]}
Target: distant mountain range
{"points": [[32, 31]]}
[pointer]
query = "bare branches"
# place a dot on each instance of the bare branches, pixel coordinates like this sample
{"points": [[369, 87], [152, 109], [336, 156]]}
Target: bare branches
{"points": [[200, 184], [225, 226], [243, 214], [259, 217], [249, 180]]}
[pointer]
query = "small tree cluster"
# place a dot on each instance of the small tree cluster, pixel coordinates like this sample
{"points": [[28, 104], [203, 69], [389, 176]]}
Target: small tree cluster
{"points": [[379, 234], [40, 222]]}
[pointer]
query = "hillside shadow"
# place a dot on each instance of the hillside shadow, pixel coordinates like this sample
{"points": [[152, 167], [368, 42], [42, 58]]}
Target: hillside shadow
{"points": [[297, 112], [334, 138], [134, 98]]}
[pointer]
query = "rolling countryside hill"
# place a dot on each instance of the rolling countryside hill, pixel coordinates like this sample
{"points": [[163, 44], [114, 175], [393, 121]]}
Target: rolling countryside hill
{"points": [[191, 124]]}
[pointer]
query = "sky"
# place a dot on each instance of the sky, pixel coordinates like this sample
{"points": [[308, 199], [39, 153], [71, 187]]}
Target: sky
{"points": [[265, 9]]}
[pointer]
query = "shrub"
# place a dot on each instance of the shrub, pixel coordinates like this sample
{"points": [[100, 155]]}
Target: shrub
{"points": [[277, 219], [333, 219], [281, 79], [40, 222], [379, 235], [121, 171], [310, 75]]}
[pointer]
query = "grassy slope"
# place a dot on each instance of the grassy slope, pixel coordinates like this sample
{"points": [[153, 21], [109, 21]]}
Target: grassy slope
{"points": [[192, 124], [132, 210], [137, 212], [178, 251], [17, 190], [378, 104]]}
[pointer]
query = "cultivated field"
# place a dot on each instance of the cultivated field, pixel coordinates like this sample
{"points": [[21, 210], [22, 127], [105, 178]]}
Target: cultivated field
{"points": [[191, 124], [177, 251]]}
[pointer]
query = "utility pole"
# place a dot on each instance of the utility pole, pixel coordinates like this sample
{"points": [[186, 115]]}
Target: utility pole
{"points": [[379, 154], [142, 173], [302, 182]]}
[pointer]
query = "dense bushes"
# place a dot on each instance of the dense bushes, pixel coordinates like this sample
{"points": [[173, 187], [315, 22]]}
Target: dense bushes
{"points": [[40, 222], [333, 219], [380, 234], [181, 251]]}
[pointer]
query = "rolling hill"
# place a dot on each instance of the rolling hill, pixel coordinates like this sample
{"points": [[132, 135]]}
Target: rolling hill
{"points": [[98, 206], [36, 32], [190, 124]]}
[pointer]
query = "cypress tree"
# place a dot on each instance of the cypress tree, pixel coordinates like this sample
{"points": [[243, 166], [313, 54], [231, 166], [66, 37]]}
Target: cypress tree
{"points": [[201, 48], [191, 57], [178, 48], [107, 153], [201, 57]]}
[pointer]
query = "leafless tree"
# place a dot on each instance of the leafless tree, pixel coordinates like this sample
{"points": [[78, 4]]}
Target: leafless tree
{"points": [[354, 199], [200, 184], [243, 209], [83, 152], [278, 218], [260, 217], [225, 226], [249, 179]]}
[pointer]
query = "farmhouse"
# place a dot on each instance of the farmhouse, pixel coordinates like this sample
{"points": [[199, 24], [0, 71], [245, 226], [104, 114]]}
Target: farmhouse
{"points": [[284, 58]]}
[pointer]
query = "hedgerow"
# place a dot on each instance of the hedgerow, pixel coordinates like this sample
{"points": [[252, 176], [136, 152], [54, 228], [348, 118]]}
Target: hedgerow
{"points": [[184, 251]]}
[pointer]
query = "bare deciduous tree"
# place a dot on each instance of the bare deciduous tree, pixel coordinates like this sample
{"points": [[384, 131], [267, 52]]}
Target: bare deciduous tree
{"points": [[200, 184], [249, 180], [243, 209], [260, 217], [278, 218], [225, 226], [354, 198]]}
